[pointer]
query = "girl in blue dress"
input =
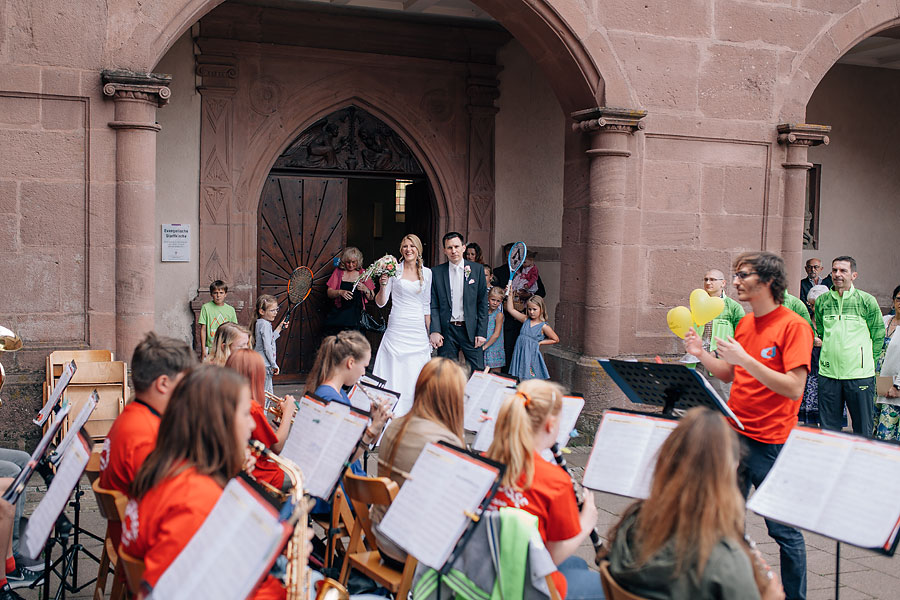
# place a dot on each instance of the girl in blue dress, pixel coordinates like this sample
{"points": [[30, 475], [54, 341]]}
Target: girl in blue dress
{"points": [[527, 361], [494, 353]]}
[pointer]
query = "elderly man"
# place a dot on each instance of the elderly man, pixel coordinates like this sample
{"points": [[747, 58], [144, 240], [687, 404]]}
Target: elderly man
{"points": [[813, 277]]}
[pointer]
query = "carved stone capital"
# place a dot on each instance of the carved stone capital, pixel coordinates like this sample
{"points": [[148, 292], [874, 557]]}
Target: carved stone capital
{"points": [[129, 85], [606, 118], [482, 92], [803, 134], [218, 73]]}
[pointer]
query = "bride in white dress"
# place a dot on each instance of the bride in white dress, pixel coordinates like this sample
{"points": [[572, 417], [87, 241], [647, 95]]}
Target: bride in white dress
{"points": [[405, 347]]}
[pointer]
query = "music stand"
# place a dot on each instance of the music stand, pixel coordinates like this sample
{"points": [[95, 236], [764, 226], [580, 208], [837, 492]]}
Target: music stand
{"points": [[668, 385]]}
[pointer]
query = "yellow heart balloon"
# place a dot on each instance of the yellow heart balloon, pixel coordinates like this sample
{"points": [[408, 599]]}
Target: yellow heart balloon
{"points": [[703, 308], [679, 320]]}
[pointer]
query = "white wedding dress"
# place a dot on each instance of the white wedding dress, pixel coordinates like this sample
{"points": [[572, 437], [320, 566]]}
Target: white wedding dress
{"points": [[405, 347]]}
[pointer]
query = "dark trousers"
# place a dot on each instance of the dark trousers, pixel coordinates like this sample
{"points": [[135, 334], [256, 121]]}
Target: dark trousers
{"points": [[756, 461], [456, 339], [857, 394]]}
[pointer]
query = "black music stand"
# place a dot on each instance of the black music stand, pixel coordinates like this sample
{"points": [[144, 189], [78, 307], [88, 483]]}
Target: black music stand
{"points": [[668, 385]]}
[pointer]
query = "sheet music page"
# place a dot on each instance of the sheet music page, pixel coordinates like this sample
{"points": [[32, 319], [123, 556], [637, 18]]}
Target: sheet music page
{"points": [[18, 485], [622, 459], [479, 393], [230, 552], [427, 517], [44, 516], [58, 389], [82, 418], [485, 436], [381, 396], [571, 409], [349, 426], [309, 435], [801, 481], [359, 399]]}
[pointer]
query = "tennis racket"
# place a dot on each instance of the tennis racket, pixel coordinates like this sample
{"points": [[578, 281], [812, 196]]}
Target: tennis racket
{"points": [[516, 258], [299, 287]]}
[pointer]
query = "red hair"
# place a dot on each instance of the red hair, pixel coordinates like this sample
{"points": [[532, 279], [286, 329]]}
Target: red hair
{"points": [[249, 363]]}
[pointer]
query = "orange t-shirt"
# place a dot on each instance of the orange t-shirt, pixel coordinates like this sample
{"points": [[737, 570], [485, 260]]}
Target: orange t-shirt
{"points": [[157, 528], [129, 441], [782, 341], [551, 499], [265, 469]]}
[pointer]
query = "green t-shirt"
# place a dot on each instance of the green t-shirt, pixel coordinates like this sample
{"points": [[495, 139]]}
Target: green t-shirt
{"points": [[212, 316]]}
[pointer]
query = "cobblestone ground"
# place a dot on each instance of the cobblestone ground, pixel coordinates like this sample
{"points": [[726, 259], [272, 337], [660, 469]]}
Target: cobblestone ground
{"points": [[864, 574]]}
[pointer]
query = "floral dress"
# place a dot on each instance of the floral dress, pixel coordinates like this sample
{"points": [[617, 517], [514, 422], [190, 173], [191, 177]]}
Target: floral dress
{"points": [[887, 416], [495, 354]]}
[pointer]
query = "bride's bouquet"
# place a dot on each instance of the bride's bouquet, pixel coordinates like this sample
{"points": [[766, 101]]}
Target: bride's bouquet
{"points": [[387, 264]]}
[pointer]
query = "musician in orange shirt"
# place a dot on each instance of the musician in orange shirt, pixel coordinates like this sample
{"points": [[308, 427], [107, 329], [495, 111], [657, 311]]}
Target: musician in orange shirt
{"points": [[250, 364], [157, 365], [202, 443]]}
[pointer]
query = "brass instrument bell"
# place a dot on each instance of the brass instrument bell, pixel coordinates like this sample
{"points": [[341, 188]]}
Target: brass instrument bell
{"points": [[9, 342]]}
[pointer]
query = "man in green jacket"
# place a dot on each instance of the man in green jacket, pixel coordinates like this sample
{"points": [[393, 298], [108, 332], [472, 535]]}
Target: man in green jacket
{"points": [[852, 330], [721, 327]]}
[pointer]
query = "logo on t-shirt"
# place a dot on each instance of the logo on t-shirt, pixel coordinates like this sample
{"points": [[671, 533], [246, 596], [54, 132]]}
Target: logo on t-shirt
{"points": [[769, 352]]}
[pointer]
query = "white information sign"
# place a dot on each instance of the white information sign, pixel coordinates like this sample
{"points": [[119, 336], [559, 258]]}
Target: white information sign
{"points": [[176, 242]]}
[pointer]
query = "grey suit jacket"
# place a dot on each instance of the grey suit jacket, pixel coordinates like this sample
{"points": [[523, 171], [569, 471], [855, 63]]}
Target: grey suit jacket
{"points": [[475, 306]]}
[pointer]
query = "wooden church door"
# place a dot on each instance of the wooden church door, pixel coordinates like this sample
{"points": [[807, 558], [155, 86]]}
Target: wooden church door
{"points": [[301, 223]]}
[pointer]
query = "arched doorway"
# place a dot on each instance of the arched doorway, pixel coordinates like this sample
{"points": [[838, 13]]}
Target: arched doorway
{"points": [[347, 180]]}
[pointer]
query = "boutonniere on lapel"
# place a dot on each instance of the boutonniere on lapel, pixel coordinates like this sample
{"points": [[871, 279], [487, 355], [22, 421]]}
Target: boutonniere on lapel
{"points": [[467, 271]]}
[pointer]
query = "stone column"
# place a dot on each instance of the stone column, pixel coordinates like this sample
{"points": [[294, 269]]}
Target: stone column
{"points": [[136, 97], [798, 138], [609, 130], [482, 89]]}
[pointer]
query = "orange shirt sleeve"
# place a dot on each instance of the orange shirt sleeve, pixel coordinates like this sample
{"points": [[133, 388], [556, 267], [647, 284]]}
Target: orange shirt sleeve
{"points": [[798, 345], [263, 430]]}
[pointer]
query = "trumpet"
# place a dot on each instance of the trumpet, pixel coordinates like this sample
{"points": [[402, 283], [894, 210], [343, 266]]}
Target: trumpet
{"points": [[275, 409], [296, 580]]}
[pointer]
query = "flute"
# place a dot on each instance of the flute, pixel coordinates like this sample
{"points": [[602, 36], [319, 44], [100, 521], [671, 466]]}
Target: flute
{"points": [[595, 535]]}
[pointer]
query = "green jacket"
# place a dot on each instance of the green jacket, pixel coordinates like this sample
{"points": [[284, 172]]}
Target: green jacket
{"points": [[796, 304], [724, 325], [852, 332]]}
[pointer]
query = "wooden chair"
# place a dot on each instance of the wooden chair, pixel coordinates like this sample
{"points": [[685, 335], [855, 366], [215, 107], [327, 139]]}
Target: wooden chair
{"points": [[110, 379], [112, 507], [92, 470], [363, 491], [56, 360], [134, 571], [337, 528], [611, 589]]}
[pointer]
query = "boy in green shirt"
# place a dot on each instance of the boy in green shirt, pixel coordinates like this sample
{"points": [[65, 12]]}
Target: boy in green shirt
{"points": [[213, 314]]}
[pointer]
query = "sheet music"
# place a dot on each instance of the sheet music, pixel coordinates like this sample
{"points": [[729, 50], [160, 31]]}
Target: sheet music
{"points": [[76, 426], [479, 394], [321, 441], [58, 389], [44, 516], [427, 518], [624, 453], [231, 551], [485, 436], [18, 485], [571, 409], [362, 395], [823, 482]]}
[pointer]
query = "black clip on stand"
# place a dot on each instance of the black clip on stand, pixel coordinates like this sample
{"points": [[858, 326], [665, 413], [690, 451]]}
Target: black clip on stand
{"points": [[668, 385], [62, 531]]}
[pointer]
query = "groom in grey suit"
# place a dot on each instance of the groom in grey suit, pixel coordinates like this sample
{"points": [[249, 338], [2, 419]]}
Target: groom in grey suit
{"points": [[459, 307]]}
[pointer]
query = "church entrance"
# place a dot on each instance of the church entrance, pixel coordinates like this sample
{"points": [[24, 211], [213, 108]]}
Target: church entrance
{"points": [[347, 180]]}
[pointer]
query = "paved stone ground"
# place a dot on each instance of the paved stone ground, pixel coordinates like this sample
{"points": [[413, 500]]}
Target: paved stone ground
{"points": [[864, 574]]}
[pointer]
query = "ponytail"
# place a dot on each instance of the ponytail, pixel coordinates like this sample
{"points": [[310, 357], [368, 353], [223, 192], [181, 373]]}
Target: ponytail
{"points": [[334, 350], [521, 416]]}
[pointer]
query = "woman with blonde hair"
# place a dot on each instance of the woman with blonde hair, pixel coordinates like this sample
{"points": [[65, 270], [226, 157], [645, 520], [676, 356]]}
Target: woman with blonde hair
{"points": [[436, 416], [686, 541], [348, 303], [405, 348], [528, 424], [230, 337]]}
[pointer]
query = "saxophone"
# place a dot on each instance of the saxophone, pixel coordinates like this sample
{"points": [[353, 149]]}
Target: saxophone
{"points": [[296, 580]]}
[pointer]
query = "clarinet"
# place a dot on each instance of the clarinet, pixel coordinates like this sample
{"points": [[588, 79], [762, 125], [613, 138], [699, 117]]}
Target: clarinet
{"points": [[595, 535]]}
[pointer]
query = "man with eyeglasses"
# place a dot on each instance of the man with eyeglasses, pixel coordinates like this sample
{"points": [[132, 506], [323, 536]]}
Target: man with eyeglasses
{"points": [[767, 360], [850, 324], [813, 277]]}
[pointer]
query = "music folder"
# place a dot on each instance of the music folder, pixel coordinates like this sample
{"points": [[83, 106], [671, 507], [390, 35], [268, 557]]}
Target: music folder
{"points": [[86, 410], [363, 394], [322, 440], [568, 416], [668, 385], [61, 384], [12, 493], [838, 485], [481, 391], [231, 552], [431, 514], [54, 501], [625, 450]]}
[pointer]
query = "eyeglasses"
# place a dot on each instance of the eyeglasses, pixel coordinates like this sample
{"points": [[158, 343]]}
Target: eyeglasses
{"points": [[814, 267], [742, 275], [708, 279]]}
